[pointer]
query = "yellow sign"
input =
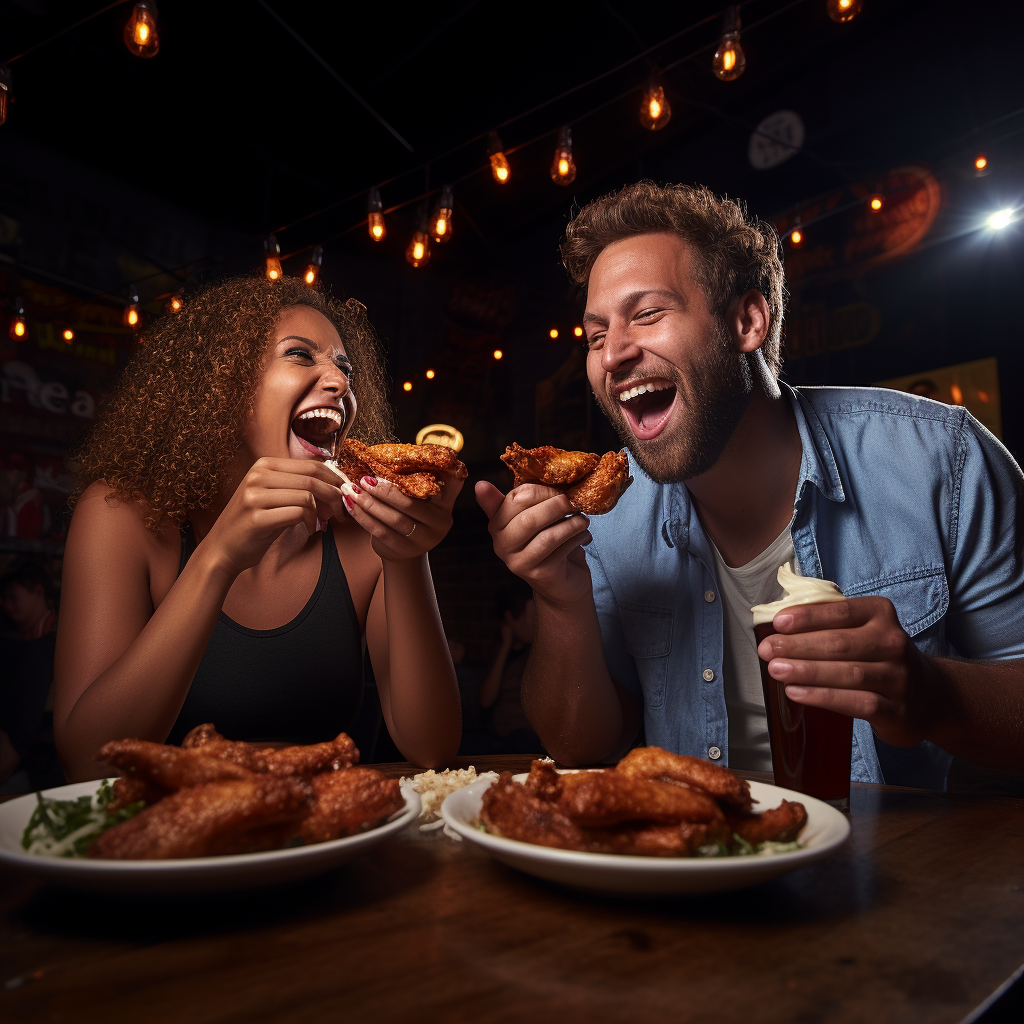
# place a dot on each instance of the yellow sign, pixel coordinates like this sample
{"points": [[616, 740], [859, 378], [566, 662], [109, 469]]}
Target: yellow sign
{"points": [[441, 433]]}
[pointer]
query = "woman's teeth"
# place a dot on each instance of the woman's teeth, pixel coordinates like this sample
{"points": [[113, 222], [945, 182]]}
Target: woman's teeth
{"points": [[643, 389], [331, 414]]}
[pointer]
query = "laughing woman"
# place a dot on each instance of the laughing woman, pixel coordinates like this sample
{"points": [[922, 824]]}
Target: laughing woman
{"points": [[214, 572]]}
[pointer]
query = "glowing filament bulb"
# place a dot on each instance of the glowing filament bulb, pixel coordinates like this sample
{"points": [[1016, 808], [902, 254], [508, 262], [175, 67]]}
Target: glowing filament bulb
{"points": [[499, 162], [68, 335], [843, 10], [430, 375], [578, 331], [655, 111], [497, 353], [19, 327], [375, 216], [442, 220], [729, 60], [176, 302], [407, 386], [131, 316], [981, 164], [553, 333], [313, 267], [418, 250], [796, 238], [273, 251], [140, 34], [876, 203], [5, 91], [563, 170]]}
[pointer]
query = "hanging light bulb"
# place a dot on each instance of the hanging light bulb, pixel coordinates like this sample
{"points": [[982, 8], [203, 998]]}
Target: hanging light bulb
{"points": [[563, 170], [796, 236], [553, 333], [313, 267], [981, 167], [5, 91], [729, 60], [140, 34], [175, 303], [843, 10], [578, 331], [273, 251], [131, 315], [655, 111], [68, 335], [441, 223], [497, 353], [499, 162], [430, 375], [877, 202], [19, 325], [375, 215], [407, 386], [417, 252]]}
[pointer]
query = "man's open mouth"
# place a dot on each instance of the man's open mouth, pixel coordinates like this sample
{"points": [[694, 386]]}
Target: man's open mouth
{"points": [[317, 430], [646, 407]]}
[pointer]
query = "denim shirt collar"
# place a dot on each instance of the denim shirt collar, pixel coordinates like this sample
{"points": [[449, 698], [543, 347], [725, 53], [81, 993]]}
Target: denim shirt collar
{"points": [[817, 467]]}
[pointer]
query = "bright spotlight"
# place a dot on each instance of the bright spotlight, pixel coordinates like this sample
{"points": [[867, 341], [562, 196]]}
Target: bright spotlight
{"points": [[1000, 219]]}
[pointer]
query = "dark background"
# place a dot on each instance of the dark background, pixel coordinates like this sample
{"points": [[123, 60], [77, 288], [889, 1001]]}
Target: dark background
{"points": [[165, 172]]}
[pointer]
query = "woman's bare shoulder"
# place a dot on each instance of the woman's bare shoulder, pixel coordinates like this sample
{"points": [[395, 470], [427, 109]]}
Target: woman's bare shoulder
{"points": [[101, 516]]}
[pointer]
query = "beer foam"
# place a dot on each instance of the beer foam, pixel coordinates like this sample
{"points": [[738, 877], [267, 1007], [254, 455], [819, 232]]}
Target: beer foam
{"points": [[798, 590]]}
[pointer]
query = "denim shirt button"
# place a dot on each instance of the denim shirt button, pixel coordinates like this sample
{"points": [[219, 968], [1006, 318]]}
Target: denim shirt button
{"points": [[714, 753], [709, 596], [709, 675]]}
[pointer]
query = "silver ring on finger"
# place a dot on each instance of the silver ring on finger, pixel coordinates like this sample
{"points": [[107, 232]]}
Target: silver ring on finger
{"points": [[411, 532]]}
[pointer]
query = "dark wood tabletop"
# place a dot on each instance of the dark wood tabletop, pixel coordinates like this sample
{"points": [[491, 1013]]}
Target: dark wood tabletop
{"points": [[919, 917]]}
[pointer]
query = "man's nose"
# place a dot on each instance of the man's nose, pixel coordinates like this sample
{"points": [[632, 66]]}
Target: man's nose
{"points": [[619, 348]]}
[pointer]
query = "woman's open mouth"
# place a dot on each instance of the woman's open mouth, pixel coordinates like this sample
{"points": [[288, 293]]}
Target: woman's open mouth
{"points": [[317, 430], [647, 406]]}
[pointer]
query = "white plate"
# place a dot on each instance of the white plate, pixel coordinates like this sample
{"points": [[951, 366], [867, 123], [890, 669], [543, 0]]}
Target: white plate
{"points": [[193, 874], [826, 829]]}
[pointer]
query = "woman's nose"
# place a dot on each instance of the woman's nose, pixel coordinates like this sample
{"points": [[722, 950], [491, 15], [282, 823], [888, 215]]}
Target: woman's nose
{"points": [[334, 380]]}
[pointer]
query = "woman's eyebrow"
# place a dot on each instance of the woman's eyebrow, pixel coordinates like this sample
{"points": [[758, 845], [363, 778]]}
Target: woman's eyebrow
{"points": [[298, 337]]}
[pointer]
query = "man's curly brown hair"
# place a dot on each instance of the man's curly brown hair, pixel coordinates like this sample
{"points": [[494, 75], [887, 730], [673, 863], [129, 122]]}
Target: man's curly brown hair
{"points": [[171, 424], [735, 252]]}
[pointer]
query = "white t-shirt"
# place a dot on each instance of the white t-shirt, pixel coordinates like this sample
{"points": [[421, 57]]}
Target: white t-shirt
{"points": [[740, 589]]}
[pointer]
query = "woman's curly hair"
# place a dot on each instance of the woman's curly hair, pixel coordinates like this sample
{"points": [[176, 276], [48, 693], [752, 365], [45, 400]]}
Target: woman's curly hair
{"points": [[171, 424], [734, 251]]}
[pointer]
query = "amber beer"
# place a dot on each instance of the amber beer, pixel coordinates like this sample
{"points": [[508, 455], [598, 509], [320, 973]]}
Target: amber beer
{"points": [[811, 747]]}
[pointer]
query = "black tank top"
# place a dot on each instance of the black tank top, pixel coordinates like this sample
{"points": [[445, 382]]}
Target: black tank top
{"points": [[301, 682]]}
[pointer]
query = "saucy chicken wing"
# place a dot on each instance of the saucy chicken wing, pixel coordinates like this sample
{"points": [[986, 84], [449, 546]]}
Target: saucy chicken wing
{"points": [[338, 753], [655, 763], [349, 801], [592, 484], [166, 767], [412, 468]]}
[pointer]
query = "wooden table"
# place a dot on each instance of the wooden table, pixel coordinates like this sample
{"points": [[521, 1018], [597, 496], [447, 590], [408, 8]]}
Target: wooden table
{"points": [[919, 918]]}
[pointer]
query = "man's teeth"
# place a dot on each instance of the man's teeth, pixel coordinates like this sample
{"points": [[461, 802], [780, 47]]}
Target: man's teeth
{"points": [[329, 414], [642, 389]]}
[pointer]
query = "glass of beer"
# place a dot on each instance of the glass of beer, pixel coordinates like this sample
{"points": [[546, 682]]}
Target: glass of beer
{"points": [[811, 747]]}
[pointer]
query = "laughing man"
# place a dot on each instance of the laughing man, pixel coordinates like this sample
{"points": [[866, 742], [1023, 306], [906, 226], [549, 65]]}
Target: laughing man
{"points": [[910, 506]]}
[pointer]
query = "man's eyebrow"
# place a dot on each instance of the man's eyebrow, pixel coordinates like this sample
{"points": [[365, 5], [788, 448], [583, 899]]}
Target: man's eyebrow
{"points": [[632, 299]]}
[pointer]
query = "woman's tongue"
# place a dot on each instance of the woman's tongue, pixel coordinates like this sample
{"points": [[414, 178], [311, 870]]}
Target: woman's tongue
{"points": [[315, 436], [647, 413]]}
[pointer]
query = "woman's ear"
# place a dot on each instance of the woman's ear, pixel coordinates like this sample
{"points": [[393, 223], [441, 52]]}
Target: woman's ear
{"points": [[748, 320]]}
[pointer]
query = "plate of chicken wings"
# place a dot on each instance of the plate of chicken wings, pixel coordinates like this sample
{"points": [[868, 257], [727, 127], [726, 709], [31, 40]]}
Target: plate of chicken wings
{"points": [[656, 823], [211, 815]]}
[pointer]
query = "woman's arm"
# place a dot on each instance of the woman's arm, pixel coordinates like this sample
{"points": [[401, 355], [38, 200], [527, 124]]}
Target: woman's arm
{"points": [[490, 688]]}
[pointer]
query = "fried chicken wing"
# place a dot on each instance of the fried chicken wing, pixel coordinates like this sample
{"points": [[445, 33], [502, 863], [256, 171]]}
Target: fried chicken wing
{"points": [[781, 824], [655, 763], [412, 468], [338, 753], [601, 799], [592, 484], [166, 767], [128, 790], [349, 801], [230, 816]]}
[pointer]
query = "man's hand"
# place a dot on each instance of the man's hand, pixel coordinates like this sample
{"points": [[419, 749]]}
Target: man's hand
{"points": [[854, 657], [540, 537]]}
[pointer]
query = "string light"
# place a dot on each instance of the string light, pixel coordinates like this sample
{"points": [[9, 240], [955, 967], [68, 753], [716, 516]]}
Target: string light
{"points": [[140, 34], [19, 326], [5, 91], [655, 111], [417, 252], [68, 335], [442, 219], [430, 375], [981, 165], [175, 303], [729, 60], [497, 353], [313, 267], [553, 333], [375, 216], [563, 170], [499, 162], [578, 331], [877, 202], [796, 236], [407, 386], [273, 250], [131, 315], [843, 10]]}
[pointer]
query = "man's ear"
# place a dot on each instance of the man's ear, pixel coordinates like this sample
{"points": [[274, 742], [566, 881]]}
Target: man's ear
{"points": [[748, 320]]}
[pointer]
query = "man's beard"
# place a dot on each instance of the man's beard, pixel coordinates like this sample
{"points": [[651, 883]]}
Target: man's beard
{"points": [[720, 386]]}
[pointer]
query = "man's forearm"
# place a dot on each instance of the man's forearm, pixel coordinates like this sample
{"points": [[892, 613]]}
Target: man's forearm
{"points": [[568, 694], [982, 718]]}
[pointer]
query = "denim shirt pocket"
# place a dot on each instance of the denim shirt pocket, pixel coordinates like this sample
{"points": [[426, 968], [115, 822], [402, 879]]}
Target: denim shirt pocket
{"points": [[648, 634], [920, 596]]}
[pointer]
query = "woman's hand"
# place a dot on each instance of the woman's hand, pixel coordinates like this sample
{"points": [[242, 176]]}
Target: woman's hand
{"points": [[274, 495], [402, 527]]}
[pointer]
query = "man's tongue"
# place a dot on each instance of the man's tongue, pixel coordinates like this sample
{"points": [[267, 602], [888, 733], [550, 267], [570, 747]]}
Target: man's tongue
{"points": [[648, 413]]}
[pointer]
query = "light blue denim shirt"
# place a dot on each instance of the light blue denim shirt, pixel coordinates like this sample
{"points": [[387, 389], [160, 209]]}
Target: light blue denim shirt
{"points": [[897, 496]]}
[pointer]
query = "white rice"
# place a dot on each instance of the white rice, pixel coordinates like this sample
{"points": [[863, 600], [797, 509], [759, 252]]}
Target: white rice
{"points": [[433, 787]]}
